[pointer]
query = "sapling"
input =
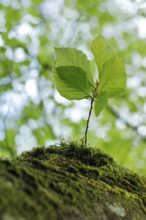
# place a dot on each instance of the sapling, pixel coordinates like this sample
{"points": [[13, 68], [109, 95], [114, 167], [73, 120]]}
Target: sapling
{"points": [[76, 78]]}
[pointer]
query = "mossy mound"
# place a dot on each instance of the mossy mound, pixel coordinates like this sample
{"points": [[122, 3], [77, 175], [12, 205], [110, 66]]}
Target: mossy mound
{"points": [[69, 182]]}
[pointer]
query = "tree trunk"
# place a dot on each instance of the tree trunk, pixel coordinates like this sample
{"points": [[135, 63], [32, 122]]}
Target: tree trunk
{"points": [[69, 182]]}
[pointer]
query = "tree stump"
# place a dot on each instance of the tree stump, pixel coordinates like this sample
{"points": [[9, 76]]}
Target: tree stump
{"points": [[69, 182]]}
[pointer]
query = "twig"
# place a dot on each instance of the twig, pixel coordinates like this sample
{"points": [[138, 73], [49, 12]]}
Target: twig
{"points": [[87, 126], [90, 111]]}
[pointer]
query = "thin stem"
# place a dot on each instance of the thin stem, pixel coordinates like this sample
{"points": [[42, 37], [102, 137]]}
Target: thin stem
{"points": [[87, 125], [90, 111]]}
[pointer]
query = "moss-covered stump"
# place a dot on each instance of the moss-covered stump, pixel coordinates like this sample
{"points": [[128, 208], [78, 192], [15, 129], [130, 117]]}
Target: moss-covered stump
{"points": [[69, 182]]}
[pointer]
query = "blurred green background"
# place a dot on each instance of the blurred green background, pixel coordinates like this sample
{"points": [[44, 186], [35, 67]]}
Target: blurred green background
{"points": [[32, 113]]}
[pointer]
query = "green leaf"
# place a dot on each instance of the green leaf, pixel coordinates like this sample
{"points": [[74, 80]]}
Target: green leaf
{"points": [[101, 51], [112, 78], [100, 103], [73, 57], [72, 82]]}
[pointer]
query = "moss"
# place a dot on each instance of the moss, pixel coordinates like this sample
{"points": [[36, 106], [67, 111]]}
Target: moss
{"points": [[69, 181]]}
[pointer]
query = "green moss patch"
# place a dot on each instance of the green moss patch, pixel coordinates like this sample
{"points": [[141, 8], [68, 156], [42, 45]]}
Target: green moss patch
{"points": [[69, 182]]}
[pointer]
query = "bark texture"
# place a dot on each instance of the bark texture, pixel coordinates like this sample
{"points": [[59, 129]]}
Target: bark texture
{"points": [[69, 182]]}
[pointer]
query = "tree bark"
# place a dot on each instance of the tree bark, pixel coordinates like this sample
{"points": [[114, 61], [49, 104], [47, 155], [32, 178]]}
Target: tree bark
{"points": [[69, 182]]}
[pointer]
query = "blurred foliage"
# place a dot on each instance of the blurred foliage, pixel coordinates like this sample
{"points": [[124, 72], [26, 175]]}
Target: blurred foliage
{"points": [[31, 111]]}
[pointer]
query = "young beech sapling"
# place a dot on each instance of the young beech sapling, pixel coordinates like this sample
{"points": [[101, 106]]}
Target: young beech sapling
{"points": [[76, 79]]}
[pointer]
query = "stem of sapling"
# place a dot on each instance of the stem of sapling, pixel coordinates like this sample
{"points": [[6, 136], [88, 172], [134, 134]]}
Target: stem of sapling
{"points": [[90, 111]]}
